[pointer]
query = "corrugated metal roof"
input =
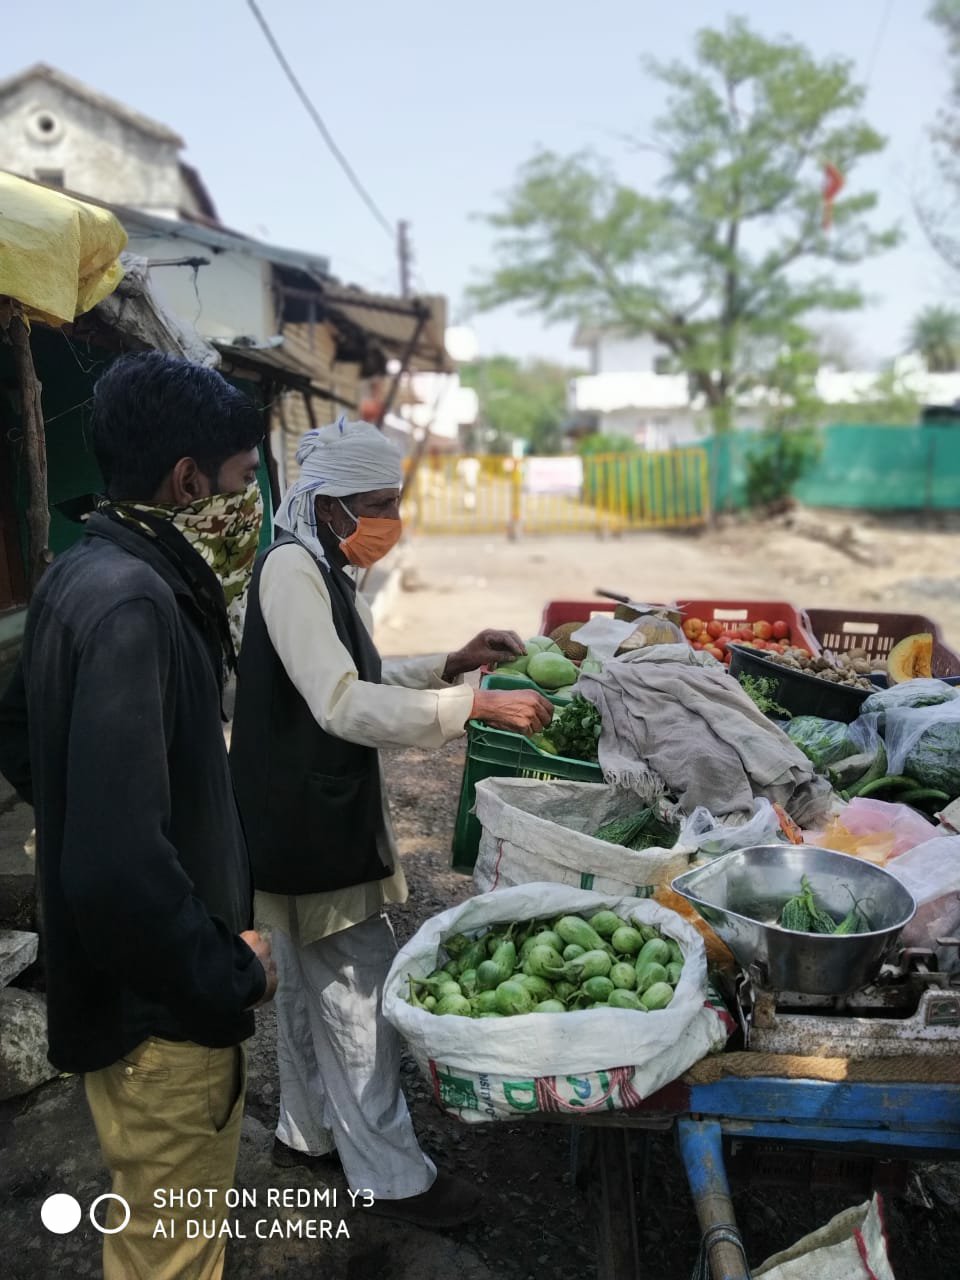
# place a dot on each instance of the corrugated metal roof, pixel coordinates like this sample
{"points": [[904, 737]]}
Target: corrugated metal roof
{"points": [[393, 321], [275, 364]]}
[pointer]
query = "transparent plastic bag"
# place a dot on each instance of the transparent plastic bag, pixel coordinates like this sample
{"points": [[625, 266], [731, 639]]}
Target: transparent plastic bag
{"points": [[931, 872], [873, 829], [712, 838], [924, 743]]}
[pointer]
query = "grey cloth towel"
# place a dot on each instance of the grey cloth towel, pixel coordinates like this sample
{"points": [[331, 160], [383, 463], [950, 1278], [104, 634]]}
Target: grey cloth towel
{"points": [[666, 710]]}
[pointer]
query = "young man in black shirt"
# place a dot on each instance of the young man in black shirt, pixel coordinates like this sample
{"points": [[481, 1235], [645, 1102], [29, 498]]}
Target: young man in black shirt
{"points": [[112, 729]]}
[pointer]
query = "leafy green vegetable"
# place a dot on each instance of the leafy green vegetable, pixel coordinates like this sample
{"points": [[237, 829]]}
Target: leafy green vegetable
{"points": [[934, 759], [574, 730], [822, 741], [644, 830], [911, 693], [760, 689]]}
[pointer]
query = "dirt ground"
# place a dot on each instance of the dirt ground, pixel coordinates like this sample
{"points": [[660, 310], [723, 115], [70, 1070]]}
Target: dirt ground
{"points": [[536, 1225], [466, 583]]}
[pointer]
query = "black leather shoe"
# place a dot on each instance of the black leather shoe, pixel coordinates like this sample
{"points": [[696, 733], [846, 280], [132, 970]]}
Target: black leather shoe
{"points": [[285, 1157], [450, 1202]]}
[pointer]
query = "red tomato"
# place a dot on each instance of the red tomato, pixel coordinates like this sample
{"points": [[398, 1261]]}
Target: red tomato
{"points": [[714, 652], [696, 644], [762, 630], [714, 629], [781, 631], [745, 632], [721, 643]]}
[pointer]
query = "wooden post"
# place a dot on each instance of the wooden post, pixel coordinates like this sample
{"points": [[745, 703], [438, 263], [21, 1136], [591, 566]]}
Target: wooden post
{"points": [[35, 452]]}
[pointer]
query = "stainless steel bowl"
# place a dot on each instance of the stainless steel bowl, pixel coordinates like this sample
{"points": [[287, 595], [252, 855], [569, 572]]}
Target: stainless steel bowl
{"points": [[741, 895]]}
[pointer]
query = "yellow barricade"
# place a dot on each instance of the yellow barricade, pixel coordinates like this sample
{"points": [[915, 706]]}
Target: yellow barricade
{"points": [[604, 493]]}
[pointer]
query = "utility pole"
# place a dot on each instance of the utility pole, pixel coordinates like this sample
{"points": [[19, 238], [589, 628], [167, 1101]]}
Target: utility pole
{"points": [[404, 257]]}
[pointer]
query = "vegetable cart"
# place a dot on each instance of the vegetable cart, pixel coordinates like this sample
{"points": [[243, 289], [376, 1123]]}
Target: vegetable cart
{"points": [[907, 1108]]}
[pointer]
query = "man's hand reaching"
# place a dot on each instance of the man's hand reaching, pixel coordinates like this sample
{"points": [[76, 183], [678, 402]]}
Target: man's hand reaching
{"points": [[489, 647], [518, 710]]}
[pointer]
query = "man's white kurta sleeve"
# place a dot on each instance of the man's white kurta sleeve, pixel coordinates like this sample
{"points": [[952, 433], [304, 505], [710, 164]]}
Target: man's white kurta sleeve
{"points": [[296, 609]]}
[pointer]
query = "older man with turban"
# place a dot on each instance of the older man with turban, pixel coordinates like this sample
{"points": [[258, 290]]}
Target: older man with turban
{"points": [[314, 703]]}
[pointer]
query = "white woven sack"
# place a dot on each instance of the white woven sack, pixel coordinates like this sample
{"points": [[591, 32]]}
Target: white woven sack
{"points": [[852, 1246], [540, 831], [595, 1059]]}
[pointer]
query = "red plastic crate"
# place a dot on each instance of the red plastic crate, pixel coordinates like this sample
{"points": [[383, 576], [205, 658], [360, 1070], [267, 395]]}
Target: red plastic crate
{"points": [[877, 633], [735, 612], [557, 612]]}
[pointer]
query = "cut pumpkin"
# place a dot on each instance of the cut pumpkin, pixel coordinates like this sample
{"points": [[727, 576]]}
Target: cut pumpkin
{"points": [[911, 659]]}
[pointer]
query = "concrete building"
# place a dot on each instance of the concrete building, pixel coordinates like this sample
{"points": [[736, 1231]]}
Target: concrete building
{"points": [[60, 132], [629, 393], [273, 313]]}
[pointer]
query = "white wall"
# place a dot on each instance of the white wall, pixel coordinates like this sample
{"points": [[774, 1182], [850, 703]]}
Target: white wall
{"points": [[99, 154], [234, 289], [445, 406], [617, 354]]}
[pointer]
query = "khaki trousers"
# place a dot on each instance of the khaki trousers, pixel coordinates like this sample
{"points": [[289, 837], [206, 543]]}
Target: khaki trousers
{"points": [[168, 1119]]}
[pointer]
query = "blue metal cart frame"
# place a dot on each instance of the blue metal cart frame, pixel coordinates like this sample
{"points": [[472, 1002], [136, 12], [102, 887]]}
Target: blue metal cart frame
{"points": [[906, 1121]]}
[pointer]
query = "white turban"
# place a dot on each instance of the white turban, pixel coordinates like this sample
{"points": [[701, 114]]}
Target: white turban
{"points": [[342, 459]]}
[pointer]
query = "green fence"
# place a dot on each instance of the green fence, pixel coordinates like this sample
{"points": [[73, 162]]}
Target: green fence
{"points": [[882, 468]]}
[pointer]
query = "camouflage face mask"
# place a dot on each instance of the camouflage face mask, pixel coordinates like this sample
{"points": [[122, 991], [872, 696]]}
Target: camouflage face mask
{"points": [[224, 530]]}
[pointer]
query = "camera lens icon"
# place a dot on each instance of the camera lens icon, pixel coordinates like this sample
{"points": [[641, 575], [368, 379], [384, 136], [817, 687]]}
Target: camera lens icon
{"points": [[61, 1213]]}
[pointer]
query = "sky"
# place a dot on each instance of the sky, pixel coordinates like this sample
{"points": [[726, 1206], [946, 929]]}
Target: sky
{"points": [[436, 105]]}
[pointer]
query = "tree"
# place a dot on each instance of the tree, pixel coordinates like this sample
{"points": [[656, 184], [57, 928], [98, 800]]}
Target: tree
{"points": [[726, 259], [597, 443], [889, 402], [790, 442], [521, 401], [935, 335], [937, 209]]}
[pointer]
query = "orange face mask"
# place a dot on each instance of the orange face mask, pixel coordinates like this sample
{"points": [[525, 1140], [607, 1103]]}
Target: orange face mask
{"points": [[370, 540]]}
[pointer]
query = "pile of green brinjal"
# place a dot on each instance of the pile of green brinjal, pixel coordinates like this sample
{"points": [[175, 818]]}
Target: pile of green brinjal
{"points": [[558, 965]]}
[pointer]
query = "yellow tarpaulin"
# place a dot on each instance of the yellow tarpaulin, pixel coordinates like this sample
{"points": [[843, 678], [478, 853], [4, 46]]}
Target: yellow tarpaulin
{"points": [[58, 256]]}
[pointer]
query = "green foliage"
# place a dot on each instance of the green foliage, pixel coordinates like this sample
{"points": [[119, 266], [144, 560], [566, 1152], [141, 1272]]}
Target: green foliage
{"points": [[730, 252], [521, 401], [935, 335], [888, 403], [790, 441], [599, 443], [937, 208], [774, 470]]}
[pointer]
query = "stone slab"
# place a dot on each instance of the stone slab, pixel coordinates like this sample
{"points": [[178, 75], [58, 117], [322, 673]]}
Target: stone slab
{"points": [[23, 1043], [18, 950]]}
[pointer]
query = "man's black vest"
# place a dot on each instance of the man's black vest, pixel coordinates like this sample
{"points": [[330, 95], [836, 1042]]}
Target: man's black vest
{"points": [[311, 803]]}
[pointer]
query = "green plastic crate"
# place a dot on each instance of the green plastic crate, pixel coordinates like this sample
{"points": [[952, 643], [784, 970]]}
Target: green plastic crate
{"points": [[495, 753], [493, 680]]}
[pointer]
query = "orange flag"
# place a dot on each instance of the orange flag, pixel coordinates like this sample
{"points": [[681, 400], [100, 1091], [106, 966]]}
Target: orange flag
{"points": [[832, 186]]}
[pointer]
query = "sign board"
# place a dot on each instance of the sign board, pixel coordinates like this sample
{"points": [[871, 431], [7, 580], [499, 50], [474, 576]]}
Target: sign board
{"points": [[553, 475]]}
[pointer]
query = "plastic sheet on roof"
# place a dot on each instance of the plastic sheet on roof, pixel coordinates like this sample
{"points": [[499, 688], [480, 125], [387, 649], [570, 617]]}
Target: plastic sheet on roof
{"points": [[58, 256]]}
